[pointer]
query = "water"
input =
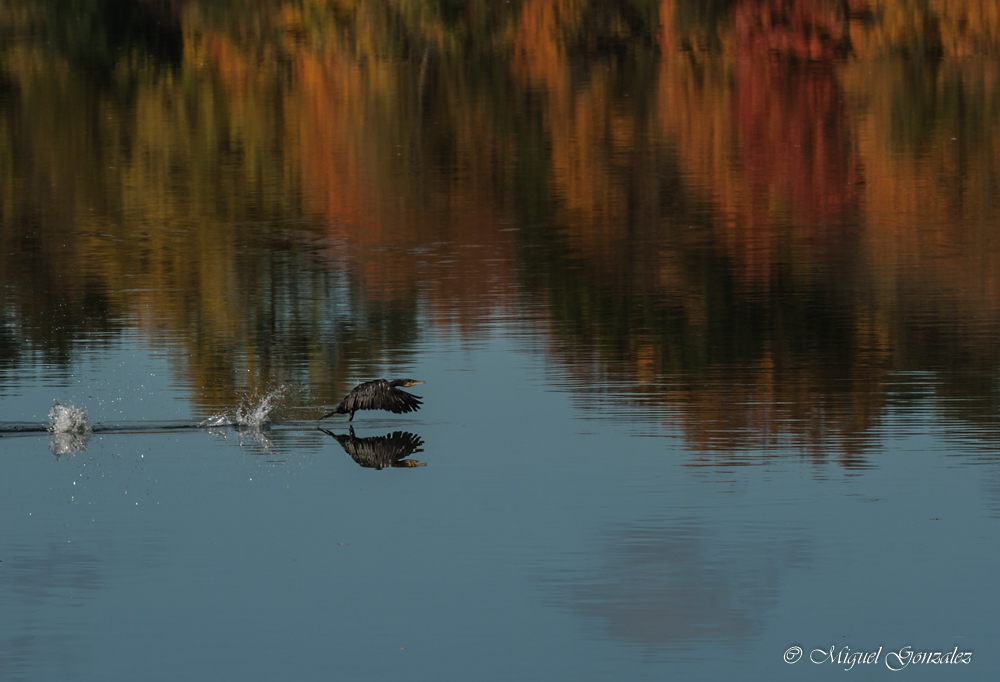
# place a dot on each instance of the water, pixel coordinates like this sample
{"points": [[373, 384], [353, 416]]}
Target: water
{"points": [[705, 302]]}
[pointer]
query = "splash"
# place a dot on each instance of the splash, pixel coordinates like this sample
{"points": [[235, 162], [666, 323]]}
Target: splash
{"points": [[70, 428], [258, 414], [69, 419], [68, 443], [254, 412]]}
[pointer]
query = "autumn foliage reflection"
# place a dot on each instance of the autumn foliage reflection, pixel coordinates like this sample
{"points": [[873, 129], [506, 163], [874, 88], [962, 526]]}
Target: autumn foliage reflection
{"points": [[752, 214]]}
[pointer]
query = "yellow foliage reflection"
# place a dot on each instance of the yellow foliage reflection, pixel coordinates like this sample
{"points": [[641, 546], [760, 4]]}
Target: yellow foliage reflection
{"points": [[728, 196]]}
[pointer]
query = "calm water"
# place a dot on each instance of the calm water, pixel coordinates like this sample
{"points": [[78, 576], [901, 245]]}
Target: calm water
{"points": [[707, 300]]}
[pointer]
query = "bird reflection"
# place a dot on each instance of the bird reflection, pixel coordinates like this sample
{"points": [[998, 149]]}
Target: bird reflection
{"points": [[378, 452]]}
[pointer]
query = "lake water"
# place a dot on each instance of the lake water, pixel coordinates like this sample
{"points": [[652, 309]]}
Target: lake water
{"points": [[706, 299]]}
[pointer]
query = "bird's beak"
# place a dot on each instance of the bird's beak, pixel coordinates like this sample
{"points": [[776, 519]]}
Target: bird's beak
{"points": [[414, 383]]}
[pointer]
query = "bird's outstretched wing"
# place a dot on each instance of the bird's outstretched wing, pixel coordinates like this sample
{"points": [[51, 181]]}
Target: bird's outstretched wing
{"points": [[379, 395], [401, 402]]}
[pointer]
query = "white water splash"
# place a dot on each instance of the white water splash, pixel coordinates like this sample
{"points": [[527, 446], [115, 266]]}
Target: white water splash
{"points": [[257, 414], [69, 419], [253, 413], [216, 420], [70, 428]]}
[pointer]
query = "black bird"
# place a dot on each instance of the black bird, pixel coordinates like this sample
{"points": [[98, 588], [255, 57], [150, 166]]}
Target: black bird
{"points": [[379, 395], [379, 452]]}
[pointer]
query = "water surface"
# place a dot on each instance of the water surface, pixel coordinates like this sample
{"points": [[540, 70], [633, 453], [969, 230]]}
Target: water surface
{"points": [[706, 300]]}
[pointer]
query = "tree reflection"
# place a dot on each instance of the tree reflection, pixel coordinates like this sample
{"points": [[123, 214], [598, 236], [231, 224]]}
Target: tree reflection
{"points": [[706, 201]]}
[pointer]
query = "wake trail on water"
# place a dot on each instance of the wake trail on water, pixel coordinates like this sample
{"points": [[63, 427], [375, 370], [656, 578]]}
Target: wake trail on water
{"points": [[70, 424]]}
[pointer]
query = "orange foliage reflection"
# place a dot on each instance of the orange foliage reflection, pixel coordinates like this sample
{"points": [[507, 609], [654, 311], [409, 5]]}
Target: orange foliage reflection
{"points": [[652, 172]]}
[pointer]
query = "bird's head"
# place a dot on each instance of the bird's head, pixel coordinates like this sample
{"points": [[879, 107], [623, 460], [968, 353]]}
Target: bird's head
{"points": [[406, 383]]}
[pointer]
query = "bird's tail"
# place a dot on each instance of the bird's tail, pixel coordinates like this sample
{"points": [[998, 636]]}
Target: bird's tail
{"points": [[339, 409]]}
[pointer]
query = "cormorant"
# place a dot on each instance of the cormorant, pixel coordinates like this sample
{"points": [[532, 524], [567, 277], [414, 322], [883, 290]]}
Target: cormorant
{"points": [[379, 395], [378, 452]]}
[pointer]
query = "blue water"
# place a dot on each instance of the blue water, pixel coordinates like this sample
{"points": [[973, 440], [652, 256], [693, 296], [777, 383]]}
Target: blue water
{"points": [[534, 545], [706, 297]]}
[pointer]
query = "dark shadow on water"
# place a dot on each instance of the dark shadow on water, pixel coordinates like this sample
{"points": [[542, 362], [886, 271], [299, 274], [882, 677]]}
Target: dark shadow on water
{"points": [[676, 582], [379, 452]]}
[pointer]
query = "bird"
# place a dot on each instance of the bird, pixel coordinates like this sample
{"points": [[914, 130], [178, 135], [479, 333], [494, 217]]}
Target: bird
{"points": [[379, 395], [379, 452]]}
